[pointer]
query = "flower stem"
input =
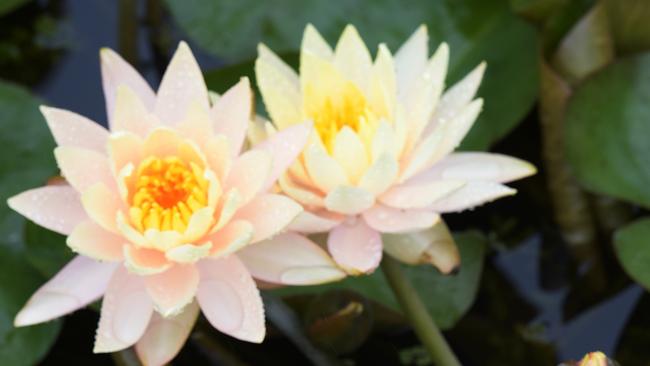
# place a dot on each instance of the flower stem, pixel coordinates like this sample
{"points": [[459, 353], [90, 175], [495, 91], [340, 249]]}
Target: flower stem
{"points": [[424, 326]]}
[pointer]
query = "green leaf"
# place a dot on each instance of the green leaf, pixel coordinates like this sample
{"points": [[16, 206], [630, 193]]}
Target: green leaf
{"points": [[476, 30], [26, 162], [446, 297], [629, 23], [7, 6], [632, 245], [607, 131], [46, 250], [26, 345]]}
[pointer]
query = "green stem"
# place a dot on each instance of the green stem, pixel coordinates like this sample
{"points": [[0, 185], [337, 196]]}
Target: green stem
{"points": [[429, 334]]}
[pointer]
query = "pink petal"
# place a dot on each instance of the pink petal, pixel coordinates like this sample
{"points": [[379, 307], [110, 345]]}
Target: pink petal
{"points": [[79, 283], [471, 195], [161, 142], [311, 222], [173, 289], [124, 148], [355, 246], [131, 114], [269, 214], [392, 220], [217, 152], [233, 236], [284, 147], [57, 208], [181, 85], [116, 72], [231, 114], [93, 241], [248, 173], [290, 259], [478, 166], [230, 300], [145, 261], [165, 337], [197, 124], [125, 314], [82, 167], [71, 129], [101, 205]]}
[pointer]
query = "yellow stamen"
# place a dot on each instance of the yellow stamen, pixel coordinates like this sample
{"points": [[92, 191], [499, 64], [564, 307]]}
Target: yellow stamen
{"points": [[331, 113], [167, 192]]}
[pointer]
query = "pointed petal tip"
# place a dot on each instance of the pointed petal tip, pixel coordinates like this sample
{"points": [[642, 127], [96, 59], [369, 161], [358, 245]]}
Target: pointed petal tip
{"points": [[22, 319]]}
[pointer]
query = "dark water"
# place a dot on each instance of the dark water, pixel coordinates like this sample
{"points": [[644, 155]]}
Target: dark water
{"points": [[530, 304]]}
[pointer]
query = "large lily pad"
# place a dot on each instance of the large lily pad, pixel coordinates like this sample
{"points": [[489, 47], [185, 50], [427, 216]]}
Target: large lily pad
{"points": [[608, 127], [632, 245], [26, 162]]}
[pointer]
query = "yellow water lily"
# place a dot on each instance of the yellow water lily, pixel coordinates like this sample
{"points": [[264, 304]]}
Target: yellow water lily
{"points": [[381, 158]]}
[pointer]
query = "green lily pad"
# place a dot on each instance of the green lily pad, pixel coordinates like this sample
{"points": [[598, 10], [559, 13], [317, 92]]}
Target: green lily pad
{"points": [[27, 162], [632, 245], [608, 127], [446, 297], [476, 30]]}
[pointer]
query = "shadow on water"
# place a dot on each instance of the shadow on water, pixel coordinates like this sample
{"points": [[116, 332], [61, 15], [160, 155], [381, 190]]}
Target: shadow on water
{"points": [[530, 309]]}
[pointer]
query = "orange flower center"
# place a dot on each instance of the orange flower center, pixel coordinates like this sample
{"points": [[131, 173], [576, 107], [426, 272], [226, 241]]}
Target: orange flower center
{"points": [[166, 193]]}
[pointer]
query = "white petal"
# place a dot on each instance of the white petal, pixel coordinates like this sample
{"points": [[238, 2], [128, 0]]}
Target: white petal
{"points": [[456, 98], [325, 171], [284, 146], [471, 195], [313, 43], [117, 72], [280, 88], [308, 222], [165, 337], [381, 175], [290, 259], [181, 85], [352, 58], [350, 153], [434, 245], [391, 220], [125, 314], [71, 129], [230, 300], [349, 200], [56, 207], [80, 282], [425, 94], [411, 59], [232, 114], [419, 194], [478, 166]]}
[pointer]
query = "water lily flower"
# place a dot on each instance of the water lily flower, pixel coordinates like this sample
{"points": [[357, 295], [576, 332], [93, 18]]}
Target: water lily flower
{"points": [[595, 359], [592, 359], [159, 207], [381, 158]]}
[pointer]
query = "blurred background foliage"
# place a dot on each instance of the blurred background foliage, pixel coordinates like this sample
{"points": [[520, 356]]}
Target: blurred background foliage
{"points": [[547, 276]]}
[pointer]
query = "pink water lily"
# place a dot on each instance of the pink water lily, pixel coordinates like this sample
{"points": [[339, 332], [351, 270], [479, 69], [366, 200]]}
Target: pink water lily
{"points": [[167, 214], [381, 159]]}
